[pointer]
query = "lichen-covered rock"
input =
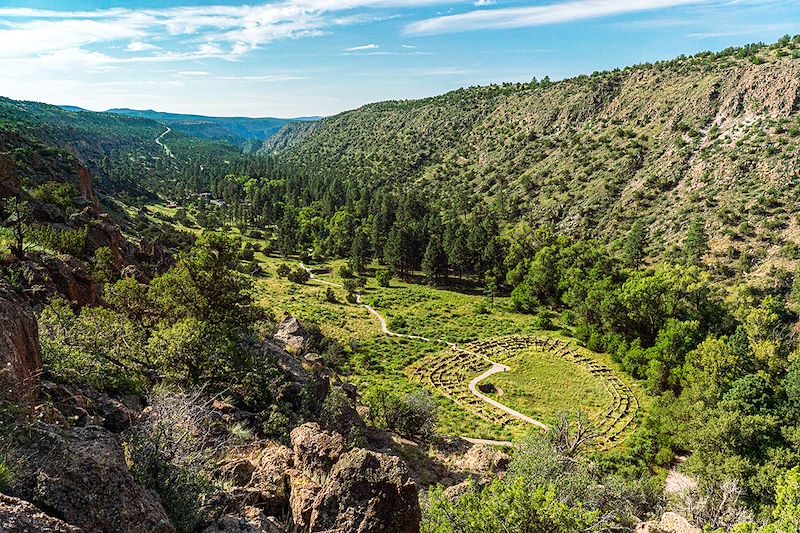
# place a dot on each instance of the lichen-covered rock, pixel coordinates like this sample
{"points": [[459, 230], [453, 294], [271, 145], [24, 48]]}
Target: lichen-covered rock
{"points": [[291, 336], [251, 520], [302, 499], [19, 515], [482, 460], [20, 357], [271, 479], [80, 476], [367, 492], [316, 450]]}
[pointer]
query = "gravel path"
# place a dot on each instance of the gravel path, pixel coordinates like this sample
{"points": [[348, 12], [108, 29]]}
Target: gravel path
{"points": [[473, 385]]}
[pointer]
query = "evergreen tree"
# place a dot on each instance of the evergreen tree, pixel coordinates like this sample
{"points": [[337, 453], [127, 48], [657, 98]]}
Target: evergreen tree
{"points": [[434, 262], [695, 245], [633, 251], [359, 251]]}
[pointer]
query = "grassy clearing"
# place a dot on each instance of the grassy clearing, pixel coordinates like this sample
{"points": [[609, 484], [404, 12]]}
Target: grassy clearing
{"points": [[542, 385]]}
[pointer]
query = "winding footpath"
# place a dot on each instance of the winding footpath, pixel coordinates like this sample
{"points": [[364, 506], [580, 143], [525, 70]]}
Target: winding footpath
{"points": [[162, 145], [473, 385]]}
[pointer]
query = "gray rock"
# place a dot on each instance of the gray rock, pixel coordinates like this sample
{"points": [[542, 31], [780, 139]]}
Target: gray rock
{"points": [[367, 492], [19, 515], [80, 476]]}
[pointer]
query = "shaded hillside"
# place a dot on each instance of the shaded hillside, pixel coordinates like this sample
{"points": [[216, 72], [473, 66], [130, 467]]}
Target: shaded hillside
{"points": [[235, 130], [122, 151], [714, 135]]}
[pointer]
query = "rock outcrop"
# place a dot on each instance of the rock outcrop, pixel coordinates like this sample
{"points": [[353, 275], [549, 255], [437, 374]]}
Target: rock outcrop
{"points": [[291, 336], [19, 515], [367, 492], [349, 491], [261, 477], [46, 276], [251, 520], [20, 357], [316, 450], [80, 476]]}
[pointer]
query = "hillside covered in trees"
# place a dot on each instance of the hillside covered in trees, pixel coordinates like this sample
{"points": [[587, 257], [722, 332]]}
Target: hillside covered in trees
{"points": [[201, 339], [713, 136]]}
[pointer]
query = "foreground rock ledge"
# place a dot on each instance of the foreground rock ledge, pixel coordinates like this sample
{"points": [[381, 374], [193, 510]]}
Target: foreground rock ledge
{"points": [[19, 515]]}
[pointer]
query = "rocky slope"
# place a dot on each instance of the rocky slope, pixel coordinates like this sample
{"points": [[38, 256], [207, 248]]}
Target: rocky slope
{"points": [[714, 135]]}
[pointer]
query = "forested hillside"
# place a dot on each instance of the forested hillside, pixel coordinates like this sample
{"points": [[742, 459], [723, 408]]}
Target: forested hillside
{"points": [[563, 306], [714, 136], [235, 130], [122, 151]]}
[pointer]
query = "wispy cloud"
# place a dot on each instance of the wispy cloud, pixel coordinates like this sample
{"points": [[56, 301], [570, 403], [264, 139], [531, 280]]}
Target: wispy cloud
{"points": [[264, 78], [519, 17], [362, 47], [223, 31]]}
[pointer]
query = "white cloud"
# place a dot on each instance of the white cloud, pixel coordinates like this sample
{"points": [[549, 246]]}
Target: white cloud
{"points": [[520, 17], [362, 47], [139, 46], [481, 3]]}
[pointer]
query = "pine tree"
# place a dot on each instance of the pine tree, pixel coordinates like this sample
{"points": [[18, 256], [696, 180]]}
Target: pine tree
{"points": [[695, 245], [434, 262], [359, 251], [633, 251]]}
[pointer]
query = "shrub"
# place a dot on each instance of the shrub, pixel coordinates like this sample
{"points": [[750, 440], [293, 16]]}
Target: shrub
{"points": [[68, 241], [350, 285], [345, 272], [330, 296], [6, 476], [283, 270], [298, 275], [247, 252], [410, 415], [383, 277], [103, 269], [61, 195], [172, 451]]}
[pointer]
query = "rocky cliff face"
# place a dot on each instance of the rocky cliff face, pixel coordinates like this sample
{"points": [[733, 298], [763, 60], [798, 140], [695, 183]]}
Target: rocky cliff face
{"points": [[20, 358]]}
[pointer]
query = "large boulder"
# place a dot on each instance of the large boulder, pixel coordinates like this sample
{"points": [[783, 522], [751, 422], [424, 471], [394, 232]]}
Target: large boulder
{"points": [[80, 476], [316, 450], [291, 336], [261, 477], [367, 492], [20, 357], [19, 515]]}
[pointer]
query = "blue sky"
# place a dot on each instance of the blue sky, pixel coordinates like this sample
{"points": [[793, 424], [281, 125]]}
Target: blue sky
{"points": [[317, 57]]}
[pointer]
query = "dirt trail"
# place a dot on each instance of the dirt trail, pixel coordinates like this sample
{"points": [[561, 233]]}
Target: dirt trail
{"points": [[162, 145], [473, 385]]}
